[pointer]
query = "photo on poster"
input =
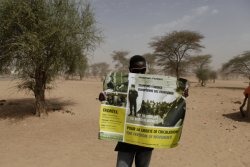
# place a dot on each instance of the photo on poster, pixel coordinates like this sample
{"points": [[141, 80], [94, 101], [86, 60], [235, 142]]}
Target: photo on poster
{"points": [[115, 87], [116, 82], [155, 101], [116, 99]]}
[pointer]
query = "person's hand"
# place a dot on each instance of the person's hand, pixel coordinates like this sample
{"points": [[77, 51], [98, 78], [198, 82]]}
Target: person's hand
{"points": [[102, 97], [185, 92]]}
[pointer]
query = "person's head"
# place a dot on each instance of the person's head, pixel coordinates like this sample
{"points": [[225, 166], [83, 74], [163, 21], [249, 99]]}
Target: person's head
{"points": [[137, 64]]}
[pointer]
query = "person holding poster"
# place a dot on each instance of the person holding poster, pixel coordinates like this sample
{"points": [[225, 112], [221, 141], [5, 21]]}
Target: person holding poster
{"points": [[150, 115], [128, 152]]}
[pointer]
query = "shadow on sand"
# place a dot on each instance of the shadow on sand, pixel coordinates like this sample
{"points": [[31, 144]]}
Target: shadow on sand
{"points": [[227, 87], [19, 109], [236, 117]]}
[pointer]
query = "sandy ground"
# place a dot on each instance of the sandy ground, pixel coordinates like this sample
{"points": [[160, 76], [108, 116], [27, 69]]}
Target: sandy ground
{"points": [[214, 133]]}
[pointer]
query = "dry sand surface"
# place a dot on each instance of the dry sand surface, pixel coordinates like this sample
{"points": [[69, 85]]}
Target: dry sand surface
{"points": [[214, 133]]}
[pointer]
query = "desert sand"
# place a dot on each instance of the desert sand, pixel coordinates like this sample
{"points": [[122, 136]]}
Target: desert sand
{"points": [[214, 133]]}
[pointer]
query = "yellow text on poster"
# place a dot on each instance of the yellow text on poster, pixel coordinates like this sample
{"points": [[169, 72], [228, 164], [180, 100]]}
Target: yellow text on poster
{"points": [[164, 137], [112, 119]]}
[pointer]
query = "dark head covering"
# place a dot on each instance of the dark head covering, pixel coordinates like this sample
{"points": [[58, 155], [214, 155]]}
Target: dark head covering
{"points": [[137, 64]]}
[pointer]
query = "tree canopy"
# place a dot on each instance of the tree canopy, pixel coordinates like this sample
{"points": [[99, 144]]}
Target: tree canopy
{"points": [[151, 62], [100, 69], [40, 38], [121, 60], [173, 48], [238, 65], [200, 61]]}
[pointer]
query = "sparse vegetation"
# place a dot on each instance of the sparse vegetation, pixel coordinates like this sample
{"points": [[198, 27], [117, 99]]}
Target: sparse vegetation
{"points": [[173, 48], [238, 65], [42, 38], [121, 60]]}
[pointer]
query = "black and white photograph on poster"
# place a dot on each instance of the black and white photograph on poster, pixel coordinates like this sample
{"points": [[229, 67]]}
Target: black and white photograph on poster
{"points": [[116, 82], [116, 99], [115, 87], [132, 98], [155, 100]]}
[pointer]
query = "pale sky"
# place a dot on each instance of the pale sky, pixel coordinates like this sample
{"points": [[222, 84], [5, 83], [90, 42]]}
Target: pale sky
{"points": [[129, 25]]}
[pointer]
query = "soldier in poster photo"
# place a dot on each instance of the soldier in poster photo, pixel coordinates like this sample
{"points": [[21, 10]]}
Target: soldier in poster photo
{"points": [[132, 96]]}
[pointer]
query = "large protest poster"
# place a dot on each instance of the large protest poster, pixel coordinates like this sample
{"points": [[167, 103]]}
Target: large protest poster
{"points": [[142, 109]]}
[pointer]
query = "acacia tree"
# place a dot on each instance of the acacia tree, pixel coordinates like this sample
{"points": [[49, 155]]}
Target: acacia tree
{"points": [[94, 70], [121, 60], [169, 68], [40, 37], [100, 69], [238, 65], [202, 75], [104, 69], [200, 66], [213, 75], [173, 48]]}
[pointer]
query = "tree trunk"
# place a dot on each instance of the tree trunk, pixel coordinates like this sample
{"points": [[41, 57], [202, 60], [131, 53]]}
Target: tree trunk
{"points": [[177, 72], [39, 92], [40, 104], [81, 76], [202, 83]]}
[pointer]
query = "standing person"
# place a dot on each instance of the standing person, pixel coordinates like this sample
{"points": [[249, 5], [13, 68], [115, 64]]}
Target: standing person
{"points": [[127, 153], [246, 94]]}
